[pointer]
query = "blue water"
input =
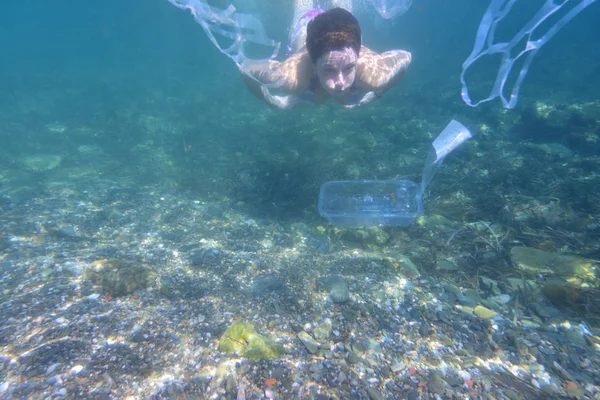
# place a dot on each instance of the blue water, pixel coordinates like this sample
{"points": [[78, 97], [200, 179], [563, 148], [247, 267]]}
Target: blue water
{"points": [[126, 135]]}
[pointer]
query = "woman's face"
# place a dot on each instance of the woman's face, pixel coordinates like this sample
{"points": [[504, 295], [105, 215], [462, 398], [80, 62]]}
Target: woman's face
{"points": [[336, 71]]}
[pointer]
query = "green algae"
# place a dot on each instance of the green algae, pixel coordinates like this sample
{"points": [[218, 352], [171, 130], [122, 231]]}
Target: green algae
{"points": [[119, 277], [241, 338]]}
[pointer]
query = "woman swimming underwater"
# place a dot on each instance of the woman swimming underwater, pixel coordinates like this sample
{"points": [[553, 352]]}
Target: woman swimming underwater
{"points": [[328, 62]]}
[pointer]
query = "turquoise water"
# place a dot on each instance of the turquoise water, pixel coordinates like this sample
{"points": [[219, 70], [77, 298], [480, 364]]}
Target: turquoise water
{"points": [[148, 201]]}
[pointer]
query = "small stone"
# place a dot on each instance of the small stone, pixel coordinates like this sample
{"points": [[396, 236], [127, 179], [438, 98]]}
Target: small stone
{"points": [[450, 288], [352, 357], [205, 257], [500, 299], [397, 367], [425, 329], [323, 330], [374, 394], [484, 312], [76, 369], [412, 395], [52, 368], [446, 265], [337, 288], [230, 385], [576, 338], [311, 345], [436, 386]]}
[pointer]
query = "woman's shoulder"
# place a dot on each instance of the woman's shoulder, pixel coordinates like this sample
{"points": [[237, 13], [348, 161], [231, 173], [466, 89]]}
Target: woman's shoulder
{"points": [[380, 71]]}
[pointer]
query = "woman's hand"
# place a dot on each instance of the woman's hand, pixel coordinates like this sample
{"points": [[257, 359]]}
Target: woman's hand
{"points": [[367, 98], [281, 102]]}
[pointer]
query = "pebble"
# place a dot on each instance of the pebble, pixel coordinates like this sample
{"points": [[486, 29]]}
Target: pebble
{"points": [[452, 289], [230, 385], [323, 330], [93, 296], [337, 288], [397, 367], [76, 369], [311, 345], [500, 299], [374, 394], [484, 312], [52, 368], [352, 357], [436, 386], [412, 395]]}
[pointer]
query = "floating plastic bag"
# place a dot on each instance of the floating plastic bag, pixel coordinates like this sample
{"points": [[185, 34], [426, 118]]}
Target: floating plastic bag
{"points": [[389, 9], [485, 45], [237, 27]]}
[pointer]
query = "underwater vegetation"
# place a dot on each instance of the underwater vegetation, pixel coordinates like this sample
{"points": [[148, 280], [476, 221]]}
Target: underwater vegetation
{"points": [[242, 338]]}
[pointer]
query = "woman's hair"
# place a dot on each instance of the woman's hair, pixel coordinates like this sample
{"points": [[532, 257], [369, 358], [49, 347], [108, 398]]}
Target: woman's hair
{"points": [[332, 30]]}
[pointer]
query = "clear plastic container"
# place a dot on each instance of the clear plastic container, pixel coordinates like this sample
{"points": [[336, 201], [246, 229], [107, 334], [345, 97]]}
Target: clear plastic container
{"points": [[357, 203], [388, 203]]}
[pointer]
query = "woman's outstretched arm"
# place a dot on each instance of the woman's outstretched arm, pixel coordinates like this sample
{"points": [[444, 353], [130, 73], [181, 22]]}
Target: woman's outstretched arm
{"points": [[377, 73], [291, 78]]}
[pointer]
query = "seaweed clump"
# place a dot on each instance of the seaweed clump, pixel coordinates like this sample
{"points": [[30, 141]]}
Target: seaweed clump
{"points": [[241, 338]]}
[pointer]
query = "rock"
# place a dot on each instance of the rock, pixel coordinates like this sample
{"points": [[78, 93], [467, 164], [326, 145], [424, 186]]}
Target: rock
{"points": [[545, 312], [41, 162], [120, 277], [337, 288], [425, 329], [230, 385], [468, 301], [483, 312], [265, 284], [500, 299], [397, 366], [323, 331], [436, 385], [489, 285], [205, 257], [352, 357], [412, 395], [450, 288], [518, 285], [575, 270], [311, 345], [370, 236], [447, 265], [436, 222], [403, 264], [561, 293], [374, 394]]}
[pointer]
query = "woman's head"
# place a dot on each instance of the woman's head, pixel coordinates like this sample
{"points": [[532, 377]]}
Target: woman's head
{"points": [[333, 42]]}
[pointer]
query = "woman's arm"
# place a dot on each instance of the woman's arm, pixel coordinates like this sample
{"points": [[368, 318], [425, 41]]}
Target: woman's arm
{"points": [[291, 77], [377, 73]]}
